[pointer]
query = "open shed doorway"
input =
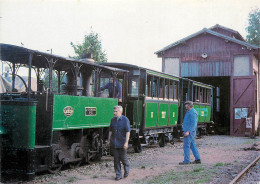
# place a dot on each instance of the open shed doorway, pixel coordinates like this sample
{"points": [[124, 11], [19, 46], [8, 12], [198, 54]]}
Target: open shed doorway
{"points": [[221, 102]]}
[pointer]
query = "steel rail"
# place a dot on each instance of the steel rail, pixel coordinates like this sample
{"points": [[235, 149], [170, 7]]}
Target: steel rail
{"points": [[244, 171]]}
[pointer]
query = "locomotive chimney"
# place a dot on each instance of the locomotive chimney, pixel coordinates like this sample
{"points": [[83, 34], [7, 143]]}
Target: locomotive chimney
{"points": [[87, 75]]}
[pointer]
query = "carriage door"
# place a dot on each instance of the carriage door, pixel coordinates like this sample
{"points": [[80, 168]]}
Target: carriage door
{"points": [[242, 106]]}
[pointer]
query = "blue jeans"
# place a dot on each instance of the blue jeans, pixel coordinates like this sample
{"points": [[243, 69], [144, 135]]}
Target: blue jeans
{"points": [[189, 143]]}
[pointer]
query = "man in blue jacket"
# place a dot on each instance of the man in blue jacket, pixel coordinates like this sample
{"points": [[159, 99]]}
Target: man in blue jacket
{"points": [[119, 133], [189, 128]]}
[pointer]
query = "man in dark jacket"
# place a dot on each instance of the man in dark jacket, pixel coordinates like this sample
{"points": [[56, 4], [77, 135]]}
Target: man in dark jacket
{"points": [[118, 89], [119, 133], [189, 128]]}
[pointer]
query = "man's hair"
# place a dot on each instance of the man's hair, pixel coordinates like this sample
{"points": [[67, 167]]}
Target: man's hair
{"points": [[119, 107], [189, 103]]}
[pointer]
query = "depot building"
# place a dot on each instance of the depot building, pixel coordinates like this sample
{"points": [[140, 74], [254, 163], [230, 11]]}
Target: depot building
{"points": [[220, 56]]}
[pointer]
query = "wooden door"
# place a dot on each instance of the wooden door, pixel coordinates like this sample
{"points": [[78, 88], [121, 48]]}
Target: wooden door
{"points": [[242, 106]]}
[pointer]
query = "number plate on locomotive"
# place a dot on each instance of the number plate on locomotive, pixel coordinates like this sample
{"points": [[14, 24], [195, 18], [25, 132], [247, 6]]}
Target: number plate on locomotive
{"points": [[90, 111]]}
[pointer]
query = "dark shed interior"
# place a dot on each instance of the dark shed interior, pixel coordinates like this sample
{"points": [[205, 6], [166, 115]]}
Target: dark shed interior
{"points": [[221, 100]]}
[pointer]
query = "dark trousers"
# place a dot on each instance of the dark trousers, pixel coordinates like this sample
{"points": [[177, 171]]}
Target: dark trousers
{"points": [[120, 155]]}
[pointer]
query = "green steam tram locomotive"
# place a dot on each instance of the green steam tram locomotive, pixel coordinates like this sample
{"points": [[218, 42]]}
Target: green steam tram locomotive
{"points": [[46, 128], [62, 117]]}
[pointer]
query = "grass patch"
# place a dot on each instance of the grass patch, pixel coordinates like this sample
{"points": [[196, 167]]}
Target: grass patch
{"points": [[142, 167], [198, 169], [71, 179], [228, 164], [95, 176], [192, 175], [219, 164]]}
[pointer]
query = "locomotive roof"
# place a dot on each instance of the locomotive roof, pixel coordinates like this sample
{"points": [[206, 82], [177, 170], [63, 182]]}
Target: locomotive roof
{"points": [[17, 54], [130, 66]]}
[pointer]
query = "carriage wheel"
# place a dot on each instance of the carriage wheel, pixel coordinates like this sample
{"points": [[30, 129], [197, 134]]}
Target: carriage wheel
{"points": [[137, 145], [161, 140]]}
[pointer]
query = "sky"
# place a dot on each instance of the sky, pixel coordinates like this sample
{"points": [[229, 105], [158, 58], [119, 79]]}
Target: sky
{"points": [[130, 30]]}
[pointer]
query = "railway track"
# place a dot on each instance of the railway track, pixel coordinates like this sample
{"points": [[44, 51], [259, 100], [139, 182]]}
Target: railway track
{"points": [[253, 170]]}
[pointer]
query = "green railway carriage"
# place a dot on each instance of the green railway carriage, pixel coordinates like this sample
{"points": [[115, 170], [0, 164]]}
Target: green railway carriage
{"points": [[201, 96], [44, 127], [151, 104], [154, 104]]}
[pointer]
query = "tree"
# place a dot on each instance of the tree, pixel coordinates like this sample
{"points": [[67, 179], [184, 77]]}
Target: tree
{"points": [[91, 44], [253, 28]]}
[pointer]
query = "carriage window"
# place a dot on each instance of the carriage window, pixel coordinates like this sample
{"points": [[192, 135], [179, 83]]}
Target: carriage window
{"points": [[155, 87], [161, 89], [201, 94], [176, 90], [204, 95], [209, 96], [133, 86], [195, 92], [171, 91], [149, 86], [166, 89]]}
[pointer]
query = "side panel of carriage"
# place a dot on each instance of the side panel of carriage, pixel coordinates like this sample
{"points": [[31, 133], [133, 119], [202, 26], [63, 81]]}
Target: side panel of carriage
{"points": [[160, 113], [202, 99], [161, 102]]}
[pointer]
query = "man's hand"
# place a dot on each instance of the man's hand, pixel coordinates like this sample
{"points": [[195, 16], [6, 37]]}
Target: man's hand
{"points": [[119, 100], [187, 134], [126, 145]]}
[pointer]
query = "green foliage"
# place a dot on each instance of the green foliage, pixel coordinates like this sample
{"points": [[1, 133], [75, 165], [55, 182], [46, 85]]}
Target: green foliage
{"points": [[253, 28], [91, 44]]}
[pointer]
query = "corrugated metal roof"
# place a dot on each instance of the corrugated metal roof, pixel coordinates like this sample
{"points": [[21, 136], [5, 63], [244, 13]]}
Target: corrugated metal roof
{"points": [[205, 30]]}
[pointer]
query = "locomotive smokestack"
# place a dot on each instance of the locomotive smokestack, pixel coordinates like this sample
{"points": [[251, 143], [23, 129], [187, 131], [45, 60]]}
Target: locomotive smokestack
{"points": [[87, 75]]}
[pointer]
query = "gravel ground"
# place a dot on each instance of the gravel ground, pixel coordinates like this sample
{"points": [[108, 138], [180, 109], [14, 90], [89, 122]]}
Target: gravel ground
{"points": [[223, 157]]}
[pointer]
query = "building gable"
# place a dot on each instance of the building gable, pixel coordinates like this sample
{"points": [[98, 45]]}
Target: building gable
{"points": [[203, 31], [227, 31]]}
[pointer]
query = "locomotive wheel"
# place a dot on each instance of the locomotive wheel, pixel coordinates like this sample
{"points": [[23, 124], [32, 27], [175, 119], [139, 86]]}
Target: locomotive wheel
{"points": [[74, 165], [55, 169], [161, 140], [98, 156], [137, 145]]}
